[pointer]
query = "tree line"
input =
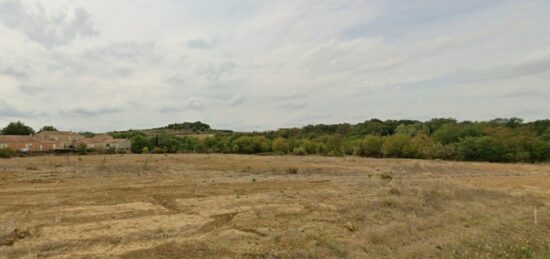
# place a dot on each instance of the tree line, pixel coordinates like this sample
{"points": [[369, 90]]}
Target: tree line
{"points": [[498, 140]]}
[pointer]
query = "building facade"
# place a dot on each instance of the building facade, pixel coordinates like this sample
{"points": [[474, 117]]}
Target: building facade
{"points": [[64, 140]]}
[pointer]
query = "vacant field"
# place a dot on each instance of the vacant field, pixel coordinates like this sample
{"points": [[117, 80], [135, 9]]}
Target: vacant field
{"points": [[194, 206]]}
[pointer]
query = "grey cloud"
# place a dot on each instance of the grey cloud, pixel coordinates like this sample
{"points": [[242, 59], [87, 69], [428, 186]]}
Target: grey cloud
{"points": [[483, 75], [519, 93], [11, 71], [31, 89], [215, 71], [201, 44], [87, 112], [292, 105], [236, 100], [197, 104], [7, 110], [46, 29], [124, 51]]}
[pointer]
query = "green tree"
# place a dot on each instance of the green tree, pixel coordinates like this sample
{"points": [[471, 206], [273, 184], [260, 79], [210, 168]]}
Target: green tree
{"points": [[252, 144], [412, 129], [485, 148], [334, 144], [545, 136], [396, 145], [280, 145], [371, 146], [418, 147], [139, 143], [48, 128], [452, 133], [17, 128]]}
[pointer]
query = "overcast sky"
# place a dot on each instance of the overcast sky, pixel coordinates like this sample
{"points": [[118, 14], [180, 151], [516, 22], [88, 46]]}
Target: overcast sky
{"points": [[255, 65]]}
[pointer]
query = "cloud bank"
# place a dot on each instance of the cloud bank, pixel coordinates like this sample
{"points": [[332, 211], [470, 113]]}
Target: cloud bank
{"points": [[254, 65]]}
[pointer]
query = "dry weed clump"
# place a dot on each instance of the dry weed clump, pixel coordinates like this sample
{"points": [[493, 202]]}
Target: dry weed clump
{"points": [[292, 170], [387, 176]]}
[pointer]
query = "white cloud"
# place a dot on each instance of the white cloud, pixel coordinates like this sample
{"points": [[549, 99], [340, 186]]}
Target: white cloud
{"points": [[47, 29], [267, 64]]}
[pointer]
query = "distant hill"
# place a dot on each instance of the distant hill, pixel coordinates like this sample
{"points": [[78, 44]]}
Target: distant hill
{"points": [[191, 129]]}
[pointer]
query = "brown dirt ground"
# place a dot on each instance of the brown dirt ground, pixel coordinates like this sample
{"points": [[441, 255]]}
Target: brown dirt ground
{"points": [[231, 206]]}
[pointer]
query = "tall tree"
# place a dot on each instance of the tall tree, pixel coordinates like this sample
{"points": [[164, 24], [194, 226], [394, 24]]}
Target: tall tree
{"points": [[17, 128]]}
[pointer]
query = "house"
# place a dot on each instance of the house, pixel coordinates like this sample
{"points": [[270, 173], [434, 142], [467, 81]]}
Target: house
{"points": [[102, 142], [19, 143], [26, 143], [64, 140]]}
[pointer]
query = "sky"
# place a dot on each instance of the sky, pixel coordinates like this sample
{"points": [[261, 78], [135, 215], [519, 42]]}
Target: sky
{"points": [[254, 65]]}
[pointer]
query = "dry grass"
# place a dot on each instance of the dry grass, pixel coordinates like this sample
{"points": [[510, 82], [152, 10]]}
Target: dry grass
{"points": [[173, 206]]}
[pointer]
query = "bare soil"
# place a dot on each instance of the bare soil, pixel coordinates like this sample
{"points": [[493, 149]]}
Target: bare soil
{"points": [[232, 206]]}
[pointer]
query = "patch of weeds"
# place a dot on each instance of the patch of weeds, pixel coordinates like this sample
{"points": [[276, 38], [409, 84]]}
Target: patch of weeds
{"points": [[387, 176], [292, 170], [253, 180], [337, 249], [277, 238], [395, 191], [32, 168]]}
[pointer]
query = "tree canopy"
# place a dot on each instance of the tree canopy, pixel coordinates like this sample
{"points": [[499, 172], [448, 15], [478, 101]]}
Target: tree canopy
{"points": [[17, 128]]}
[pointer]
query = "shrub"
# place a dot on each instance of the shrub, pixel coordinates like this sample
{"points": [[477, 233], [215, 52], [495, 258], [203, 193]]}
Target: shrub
{"points": [[292, 170], [301, 151], [371, 146], [280, 145], [82, 149], [159, 150], [387, 176], [439, 151], [412, 129], [452, 133], [418, 147], [482, 149], [396, 146], [6, 153], [334, 145], [139, 143], [252, 144]]}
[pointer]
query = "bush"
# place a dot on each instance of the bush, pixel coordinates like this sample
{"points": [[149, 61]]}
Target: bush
{"points": [[371, 146], [482, 149], [292, 170], [82, 149], [418, 147], [280, 146], [386, 176], [439, 151], [6, 153], [139, 143], [396, 146], [301, 151], [159, 150], [452, 133], [252, 144]]}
